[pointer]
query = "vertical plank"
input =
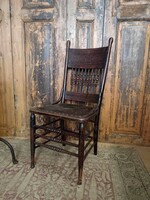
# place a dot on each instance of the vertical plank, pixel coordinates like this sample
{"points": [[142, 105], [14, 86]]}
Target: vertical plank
{"points": [[145, 125], [19, 70], [60, 21], [7, 117], [109, 30]]}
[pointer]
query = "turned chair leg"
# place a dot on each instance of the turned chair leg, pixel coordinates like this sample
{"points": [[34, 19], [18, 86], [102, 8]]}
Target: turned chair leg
{"points": [[32, 139], [11, 150], [80, 153]]}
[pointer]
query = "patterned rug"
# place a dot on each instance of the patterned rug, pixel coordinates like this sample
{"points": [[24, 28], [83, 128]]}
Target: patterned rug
{"points": [[116, 173]]}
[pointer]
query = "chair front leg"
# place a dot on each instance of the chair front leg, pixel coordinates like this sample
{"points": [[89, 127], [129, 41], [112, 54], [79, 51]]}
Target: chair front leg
{"points": [[32, 139], [80, 153]]}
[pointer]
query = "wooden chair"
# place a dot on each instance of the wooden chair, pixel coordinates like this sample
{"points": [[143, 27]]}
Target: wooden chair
{"points": [[80, 102]]}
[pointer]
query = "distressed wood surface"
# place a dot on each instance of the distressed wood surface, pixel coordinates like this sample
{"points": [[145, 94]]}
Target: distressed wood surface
{"points": [[134, 12], [30, 15], [130, 110], [130, 80], [85, 23], [19, 69], [44, 53], [132, 2], [106, 111], [130, 70], [7, 115], [60, 23], [40, 57], [33, 37], [36, 4], [145, 125], [1, 15]]}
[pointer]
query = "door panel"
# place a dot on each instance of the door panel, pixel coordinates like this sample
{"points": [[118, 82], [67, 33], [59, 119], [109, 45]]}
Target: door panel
{"points": [[40, 56], [7, 116], [130, 100], [44, 43], [85, 22], [38, 3], [130, 75]]}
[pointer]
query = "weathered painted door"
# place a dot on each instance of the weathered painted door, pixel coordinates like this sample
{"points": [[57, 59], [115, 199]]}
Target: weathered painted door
{"points": [[37, 31]]}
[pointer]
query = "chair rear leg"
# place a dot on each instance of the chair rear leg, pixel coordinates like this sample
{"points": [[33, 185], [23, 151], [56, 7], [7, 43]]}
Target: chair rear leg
{"points": [[32, 139], [80, 153], [96, 134]]}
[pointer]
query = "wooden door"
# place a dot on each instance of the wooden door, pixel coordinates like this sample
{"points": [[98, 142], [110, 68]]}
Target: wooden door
{"points": [[7, 111]]}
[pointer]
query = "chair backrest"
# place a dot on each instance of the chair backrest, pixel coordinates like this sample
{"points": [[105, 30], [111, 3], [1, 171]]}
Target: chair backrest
{"points": [[85, 73]]}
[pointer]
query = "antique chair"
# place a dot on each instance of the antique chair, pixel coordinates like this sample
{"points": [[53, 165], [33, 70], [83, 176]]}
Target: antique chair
{"points": [[14, 160], [80, 102]]}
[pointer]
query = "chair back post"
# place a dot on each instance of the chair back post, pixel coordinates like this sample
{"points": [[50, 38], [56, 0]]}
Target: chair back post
{"points": [[65, 69], [105, 71]]}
